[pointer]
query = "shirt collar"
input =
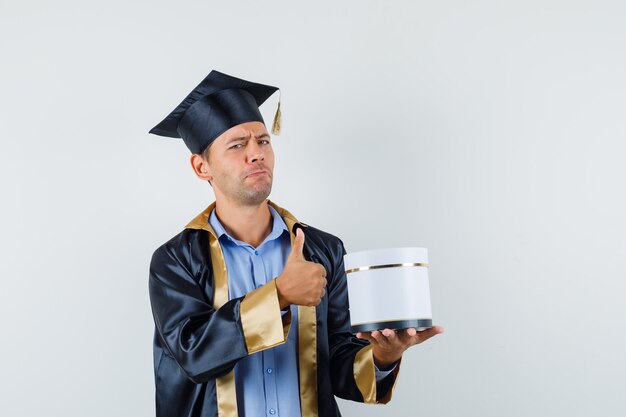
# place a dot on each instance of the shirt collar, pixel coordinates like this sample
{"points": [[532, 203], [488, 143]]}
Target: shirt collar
{"points": [[278, 227]]}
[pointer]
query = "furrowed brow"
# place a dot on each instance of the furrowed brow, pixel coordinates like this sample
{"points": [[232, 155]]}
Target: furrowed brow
{"points": [[262, 135], [236, 139]]}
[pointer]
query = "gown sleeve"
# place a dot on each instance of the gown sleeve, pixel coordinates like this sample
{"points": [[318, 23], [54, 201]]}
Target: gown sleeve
{"points": [[206, 342], [352, 362]]}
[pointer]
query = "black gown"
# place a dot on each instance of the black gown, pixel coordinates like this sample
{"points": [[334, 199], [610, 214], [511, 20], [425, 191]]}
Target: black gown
{"points": [[200, 334]]}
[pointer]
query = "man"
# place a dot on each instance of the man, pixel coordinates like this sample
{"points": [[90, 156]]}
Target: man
{"points": [[250, 305]]}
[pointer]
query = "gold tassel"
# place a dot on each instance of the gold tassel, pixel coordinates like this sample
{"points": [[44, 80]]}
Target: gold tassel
{"points": [[277, 119]]}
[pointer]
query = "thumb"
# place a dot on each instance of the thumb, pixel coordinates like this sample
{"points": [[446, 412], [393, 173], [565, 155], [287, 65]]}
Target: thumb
{"points": [[298, 244]]}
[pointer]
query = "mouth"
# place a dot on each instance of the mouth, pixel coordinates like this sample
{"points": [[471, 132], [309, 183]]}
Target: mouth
{"points": [[257, 174]]}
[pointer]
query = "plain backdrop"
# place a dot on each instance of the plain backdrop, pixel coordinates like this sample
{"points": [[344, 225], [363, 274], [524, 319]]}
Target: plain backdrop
{"points": [[490, 132]]}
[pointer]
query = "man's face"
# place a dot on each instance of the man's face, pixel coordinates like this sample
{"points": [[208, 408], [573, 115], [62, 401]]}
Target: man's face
{"points": [[241, 164]]}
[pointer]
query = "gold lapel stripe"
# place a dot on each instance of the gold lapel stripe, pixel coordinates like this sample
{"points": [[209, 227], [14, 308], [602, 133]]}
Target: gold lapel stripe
{"points": [[307, 354], [224, 385]]}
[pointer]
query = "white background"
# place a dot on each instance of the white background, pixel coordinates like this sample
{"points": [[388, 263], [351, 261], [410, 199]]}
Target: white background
{"points": [[491, 132]]}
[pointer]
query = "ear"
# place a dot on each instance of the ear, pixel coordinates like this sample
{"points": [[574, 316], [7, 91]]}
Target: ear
{"points": [[200, 167]]}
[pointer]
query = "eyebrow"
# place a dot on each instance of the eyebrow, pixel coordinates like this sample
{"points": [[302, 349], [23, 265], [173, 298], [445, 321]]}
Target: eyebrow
{"points": [[262, 135]]}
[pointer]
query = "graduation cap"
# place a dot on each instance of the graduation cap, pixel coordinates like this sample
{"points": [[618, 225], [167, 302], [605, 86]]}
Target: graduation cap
{"points": [[218, 103]]}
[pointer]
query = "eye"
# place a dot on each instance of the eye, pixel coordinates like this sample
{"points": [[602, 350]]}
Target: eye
{"points": [[237, 146], [264, 142]]}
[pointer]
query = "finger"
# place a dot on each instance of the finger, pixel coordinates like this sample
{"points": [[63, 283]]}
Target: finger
{"points": [[390, 335], [298, 245], [408, 336], [321, 270], [392, 340], [424, 335], [438, 329], [380, 339], [366, 336], [431, 331]]}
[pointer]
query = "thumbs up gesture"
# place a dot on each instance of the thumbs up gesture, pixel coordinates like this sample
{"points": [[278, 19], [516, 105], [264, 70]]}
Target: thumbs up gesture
{"points": [[302, 282]]}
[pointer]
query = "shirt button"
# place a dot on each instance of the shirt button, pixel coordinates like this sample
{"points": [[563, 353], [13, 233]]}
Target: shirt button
{"points": [[270, 370], [256, 252], [272, 411]]}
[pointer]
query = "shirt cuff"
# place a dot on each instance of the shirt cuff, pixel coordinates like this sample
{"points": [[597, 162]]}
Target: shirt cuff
{"points": [[380, 375]]}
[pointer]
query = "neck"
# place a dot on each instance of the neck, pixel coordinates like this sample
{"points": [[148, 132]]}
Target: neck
{"points": [[250, 224]]}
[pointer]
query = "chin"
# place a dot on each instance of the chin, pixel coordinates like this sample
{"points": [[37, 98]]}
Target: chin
{"points": [[257, 196]]}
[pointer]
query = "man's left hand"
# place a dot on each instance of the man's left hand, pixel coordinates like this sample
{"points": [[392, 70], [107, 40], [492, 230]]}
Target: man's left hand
{"points": [[389, 345]]}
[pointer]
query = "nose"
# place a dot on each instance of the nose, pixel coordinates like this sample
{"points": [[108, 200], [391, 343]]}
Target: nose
{"points": [[255, 152]]}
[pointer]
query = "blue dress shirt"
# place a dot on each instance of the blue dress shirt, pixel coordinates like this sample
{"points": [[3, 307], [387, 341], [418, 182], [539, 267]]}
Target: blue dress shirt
{"points": [[266, 382]]}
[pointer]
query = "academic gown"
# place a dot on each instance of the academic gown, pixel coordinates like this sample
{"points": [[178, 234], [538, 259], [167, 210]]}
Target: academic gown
{"points": [[200, 334]]}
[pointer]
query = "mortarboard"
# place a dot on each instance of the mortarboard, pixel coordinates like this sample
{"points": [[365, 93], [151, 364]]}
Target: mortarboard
{"points": [[218, 103]]}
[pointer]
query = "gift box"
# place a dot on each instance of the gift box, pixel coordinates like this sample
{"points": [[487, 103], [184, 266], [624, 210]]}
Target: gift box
{"points": [[388, 288]]}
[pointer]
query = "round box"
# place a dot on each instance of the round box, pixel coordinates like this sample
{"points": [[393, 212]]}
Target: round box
{"points": [[388, 288]]}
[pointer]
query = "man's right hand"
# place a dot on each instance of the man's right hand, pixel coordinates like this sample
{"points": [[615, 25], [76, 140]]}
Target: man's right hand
{"points": [[302, 282]]}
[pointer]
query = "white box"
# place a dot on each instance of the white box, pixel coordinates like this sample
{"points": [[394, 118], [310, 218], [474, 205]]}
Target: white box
{"points": [[388, 288]]}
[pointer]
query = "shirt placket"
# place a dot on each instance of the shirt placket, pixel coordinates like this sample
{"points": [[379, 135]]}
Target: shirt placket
{"points": [[268, 361]]}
